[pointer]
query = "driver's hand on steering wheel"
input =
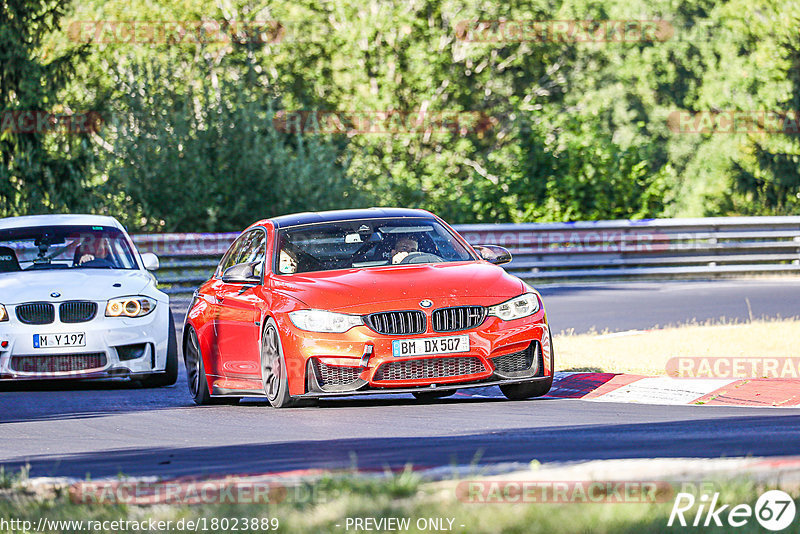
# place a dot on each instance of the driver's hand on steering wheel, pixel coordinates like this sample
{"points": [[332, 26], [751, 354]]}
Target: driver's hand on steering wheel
{"points": [[397, 258], [85, 258]]}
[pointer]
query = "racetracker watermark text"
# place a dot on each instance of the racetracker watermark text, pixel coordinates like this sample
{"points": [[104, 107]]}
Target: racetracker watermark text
{"points": [[175, 32], [44, 122], [735, 122], [562, 492], [564, 31], [735, 367], [381, 122]]}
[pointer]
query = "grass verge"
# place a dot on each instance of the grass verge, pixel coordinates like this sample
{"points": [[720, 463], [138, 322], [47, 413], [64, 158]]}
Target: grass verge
{"points": [[647, 352], [330, 502]]}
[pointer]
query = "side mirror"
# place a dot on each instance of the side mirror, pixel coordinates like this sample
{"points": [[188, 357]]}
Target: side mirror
{"points": [[150, 261], [493, 254], [244, 273]]}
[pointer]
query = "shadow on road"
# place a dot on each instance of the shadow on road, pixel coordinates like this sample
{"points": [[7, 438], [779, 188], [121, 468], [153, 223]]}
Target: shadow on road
{"points": [[699, 438]]}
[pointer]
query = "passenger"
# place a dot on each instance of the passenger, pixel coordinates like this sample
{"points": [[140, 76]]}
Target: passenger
{"points": [[286, 264]]}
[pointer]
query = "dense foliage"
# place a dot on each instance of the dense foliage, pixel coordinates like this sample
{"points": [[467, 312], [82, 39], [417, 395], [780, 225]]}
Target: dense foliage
{"points": [[196, 136]]}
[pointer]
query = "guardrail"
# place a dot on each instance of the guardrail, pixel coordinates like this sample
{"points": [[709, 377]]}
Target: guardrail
{"points": [[654, 248]]}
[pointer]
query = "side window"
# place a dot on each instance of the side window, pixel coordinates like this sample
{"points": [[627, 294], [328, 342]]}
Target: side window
{"points": [[248, 247], [229, 259], [254, 250]]}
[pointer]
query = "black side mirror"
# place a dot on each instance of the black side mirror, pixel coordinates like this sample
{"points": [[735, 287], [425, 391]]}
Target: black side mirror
{"points": [[244, 273], [493, 254]]}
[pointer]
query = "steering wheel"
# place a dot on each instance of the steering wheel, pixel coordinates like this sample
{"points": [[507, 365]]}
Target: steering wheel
{"points": [[420, 257], [98, 263]]}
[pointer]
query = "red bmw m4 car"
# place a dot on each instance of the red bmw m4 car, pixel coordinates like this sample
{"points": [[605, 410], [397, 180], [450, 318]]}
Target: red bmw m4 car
{"points": [[359, 302]]}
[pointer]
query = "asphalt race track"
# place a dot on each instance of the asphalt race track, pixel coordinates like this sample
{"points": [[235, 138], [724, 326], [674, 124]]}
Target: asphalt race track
{"points": [[104, 429], [641, 305]]}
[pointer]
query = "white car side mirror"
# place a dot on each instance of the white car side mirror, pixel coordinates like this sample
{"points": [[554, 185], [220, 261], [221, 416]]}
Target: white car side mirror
{"points": [[150, 261]]}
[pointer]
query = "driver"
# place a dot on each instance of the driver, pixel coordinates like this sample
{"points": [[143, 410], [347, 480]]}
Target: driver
{"points": [[92, 249], [402, 248]]}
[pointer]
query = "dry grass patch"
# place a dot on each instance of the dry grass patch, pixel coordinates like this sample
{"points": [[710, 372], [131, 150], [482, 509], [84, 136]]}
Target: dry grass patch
{"points": [[647, 352]]}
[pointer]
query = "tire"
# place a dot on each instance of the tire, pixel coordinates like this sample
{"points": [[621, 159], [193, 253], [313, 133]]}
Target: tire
{"points": [[170, 374], [527, 390], [274, 377], [428, 396], [195, 370], [530, 390]]}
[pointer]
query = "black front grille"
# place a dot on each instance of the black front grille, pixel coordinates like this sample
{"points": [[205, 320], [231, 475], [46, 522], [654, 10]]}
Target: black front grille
{"points": [[518, 364], [335, 375], [458, 318], [429, 368], [36, 313], [397, 323], [77, 311], [60, 363]]}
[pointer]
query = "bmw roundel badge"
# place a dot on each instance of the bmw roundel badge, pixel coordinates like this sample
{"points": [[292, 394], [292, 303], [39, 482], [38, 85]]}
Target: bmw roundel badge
{"points": [[425, 303]]}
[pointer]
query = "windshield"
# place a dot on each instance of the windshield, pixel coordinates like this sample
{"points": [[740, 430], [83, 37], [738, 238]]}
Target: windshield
{"points": [[366, 243], [64, 247]]}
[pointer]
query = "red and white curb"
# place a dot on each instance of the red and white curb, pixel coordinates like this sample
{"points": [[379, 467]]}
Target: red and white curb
{"points": [[618, 387], [612, 387]]}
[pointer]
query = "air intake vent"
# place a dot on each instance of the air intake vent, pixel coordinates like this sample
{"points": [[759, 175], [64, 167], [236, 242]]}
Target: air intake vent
{"points": [[397, 323], [335, 375], [77, 311], [131, 352], [36, 313], [458, 318], [429, 368], [518, 364], [61, 363]]}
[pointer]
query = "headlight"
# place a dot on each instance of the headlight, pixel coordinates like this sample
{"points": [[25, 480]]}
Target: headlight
{"points": [[130, 307], [3, 313], [516, 308], [324, 321]]}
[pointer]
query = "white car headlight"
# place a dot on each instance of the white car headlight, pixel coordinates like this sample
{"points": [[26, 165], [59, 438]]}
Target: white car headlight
{"points": [[3, 313], [324, 321], [130, 307], [516, 308]]}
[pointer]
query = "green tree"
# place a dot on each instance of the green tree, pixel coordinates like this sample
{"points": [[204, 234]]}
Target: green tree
{"points": [[39, 171], [208, 156]]}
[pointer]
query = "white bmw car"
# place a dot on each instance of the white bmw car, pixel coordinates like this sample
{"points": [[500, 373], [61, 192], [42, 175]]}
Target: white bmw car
{"points": [[77, 301]]}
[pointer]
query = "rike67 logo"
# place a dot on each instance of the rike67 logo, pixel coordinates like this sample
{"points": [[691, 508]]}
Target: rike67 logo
{"points": [[774, 510]]}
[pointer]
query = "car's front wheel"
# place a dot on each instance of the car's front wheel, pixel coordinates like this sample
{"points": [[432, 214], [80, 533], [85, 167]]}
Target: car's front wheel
{"points": [[530, 390], [274, 377], [527, 390]]}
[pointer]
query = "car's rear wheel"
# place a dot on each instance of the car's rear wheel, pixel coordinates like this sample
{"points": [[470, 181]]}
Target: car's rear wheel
{"points": [[274, 377], [170, 374], [432, 395], [195, 369]]}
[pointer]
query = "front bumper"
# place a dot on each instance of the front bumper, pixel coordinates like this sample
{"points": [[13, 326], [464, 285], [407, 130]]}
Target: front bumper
{"points": [[114, 347], [345, 357]]}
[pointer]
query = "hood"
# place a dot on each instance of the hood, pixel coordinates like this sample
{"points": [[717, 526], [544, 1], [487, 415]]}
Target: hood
{"points": [[369, 290], [73, 284]]}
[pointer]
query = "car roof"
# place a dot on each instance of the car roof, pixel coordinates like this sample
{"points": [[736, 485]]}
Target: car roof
{"points": [[297, 219], [59, 220]]}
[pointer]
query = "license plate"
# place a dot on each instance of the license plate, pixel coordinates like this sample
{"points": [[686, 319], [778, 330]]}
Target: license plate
{"points": [[431, 345], [47, 341]]}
